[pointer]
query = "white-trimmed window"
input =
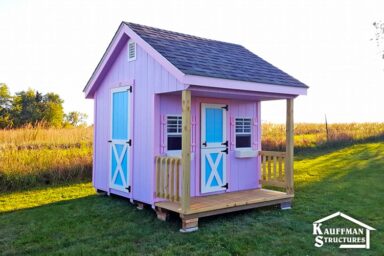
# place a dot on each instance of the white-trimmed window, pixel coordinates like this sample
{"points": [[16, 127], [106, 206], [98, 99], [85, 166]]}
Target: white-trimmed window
{"points": [[243, 132], [174, 128], [131, 51]]}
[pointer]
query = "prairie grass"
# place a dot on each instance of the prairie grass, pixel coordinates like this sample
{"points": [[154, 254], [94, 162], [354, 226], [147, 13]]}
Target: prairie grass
{"points": [[33, 156], [36, 137], [310, 135]]}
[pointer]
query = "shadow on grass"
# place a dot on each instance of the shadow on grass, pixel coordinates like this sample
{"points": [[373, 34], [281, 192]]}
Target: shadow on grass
{"points": [[331, 146], [40, 187]]}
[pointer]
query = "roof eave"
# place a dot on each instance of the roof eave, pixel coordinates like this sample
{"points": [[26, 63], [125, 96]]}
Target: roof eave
{"points": [[244, 85]]}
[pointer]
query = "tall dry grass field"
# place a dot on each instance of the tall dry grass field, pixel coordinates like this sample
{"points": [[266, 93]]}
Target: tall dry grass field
{"points": [[310, 135], [35, 156]]}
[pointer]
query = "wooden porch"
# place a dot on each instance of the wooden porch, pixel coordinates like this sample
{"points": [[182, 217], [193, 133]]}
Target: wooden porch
{"points": [[173, 179], [226, 202]]}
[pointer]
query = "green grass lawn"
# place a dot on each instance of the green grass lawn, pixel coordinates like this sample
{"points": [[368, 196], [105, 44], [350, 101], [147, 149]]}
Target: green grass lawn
{"points": [[74, 220]]}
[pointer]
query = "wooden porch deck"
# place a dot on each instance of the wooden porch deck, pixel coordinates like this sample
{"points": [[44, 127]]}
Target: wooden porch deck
{"points": [[227, 202]]}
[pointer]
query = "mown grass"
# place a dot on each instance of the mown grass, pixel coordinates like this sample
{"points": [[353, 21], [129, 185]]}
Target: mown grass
{"points": [[82, 223], [32, 157]]}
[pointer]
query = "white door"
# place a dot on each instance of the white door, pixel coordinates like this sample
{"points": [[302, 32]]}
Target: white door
{"points": [[120, 142], [214, 148]]}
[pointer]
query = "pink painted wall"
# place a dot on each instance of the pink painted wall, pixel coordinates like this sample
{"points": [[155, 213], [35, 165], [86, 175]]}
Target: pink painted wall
{"points": [[150, 107], [242, 173], [149, 78]]}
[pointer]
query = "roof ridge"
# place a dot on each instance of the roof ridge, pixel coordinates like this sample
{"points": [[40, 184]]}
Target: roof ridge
{"points": [[179, 33]]}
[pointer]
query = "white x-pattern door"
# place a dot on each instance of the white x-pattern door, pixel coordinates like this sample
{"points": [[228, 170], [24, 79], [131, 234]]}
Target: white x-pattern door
{"points": [[120, 142], [214, 148]]}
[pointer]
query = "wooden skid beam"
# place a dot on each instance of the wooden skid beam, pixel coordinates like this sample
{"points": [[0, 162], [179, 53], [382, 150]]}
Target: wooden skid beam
{"points": [[162, 214], [189, 225]]}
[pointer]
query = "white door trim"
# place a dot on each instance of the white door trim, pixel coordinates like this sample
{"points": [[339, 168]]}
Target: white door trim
{"points": [[210, 148], [126, 149]]}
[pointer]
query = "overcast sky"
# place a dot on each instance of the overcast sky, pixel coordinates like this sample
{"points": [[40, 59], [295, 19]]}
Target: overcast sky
{"points": [[54, 46]]}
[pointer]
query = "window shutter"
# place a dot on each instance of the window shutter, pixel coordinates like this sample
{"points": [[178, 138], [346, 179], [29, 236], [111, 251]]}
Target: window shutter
{"points": [[163, 134], [232, 139], [193, 133], [254, 133]]}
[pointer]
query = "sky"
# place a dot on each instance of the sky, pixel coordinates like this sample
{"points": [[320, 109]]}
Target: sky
{"points": [[54, 46]]}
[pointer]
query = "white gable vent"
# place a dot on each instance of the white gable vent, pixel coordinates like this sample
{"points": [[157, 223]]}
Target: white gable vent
{"points": [[131, 51]]}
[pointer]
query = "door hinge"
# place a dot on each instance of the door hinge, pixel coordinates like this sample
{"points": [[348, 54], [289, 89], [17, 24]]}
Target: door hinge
{"points": [[129, 142], [204, 144], [109, 141], [225, 151], [130, 89], [129, 188], [226, 107], [225, 186], [225, 143]]}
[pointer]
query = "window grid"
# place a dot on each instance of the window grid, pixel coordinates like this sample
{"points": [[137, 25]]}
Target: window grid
{"points": [[174, 125], [243, 125]]}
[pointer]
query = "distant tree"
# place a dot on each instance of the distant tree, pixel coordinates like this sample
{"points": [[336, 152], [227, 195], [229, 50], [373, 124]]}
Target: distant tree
{"points": [[75, 118], [30, 107], [52, 109], [379, 36], [5, 107]]}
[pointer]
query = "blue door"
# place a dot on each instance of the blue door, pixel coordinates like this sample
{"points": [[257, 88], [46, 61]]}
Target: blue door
{"points": [[214, 148], [120, 143]]}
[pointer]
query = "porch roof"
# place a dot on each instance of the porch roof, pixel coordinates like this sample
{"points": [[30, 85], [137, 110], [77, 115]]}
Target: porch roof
{"points": [[232, 94]]}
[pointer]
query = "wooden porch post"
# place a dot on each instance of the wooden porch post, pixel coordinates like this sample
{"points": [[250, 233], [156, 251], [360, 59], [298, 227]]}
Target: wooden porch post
{"points": [[289, 147], [186, 149]]}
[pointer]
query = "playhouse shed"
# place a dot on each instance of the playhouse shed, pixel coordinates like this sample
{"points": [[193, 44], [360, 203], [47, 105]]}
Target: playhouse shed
{"points": [[177, 124]]}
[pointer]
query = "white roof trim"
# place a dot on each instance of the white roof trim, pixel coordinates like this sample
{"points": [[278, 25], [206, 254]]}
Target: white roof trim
{"points": [[124, 29], [243, 85]]}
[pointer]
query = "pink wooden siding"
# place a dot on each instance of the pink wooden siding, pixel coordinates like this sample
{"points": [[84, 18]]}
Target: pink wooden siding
{"points": [[148, 78]]}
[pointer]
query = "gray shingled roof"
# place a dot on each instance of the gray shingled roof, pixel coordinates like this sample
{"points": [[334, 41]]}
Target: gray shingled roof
{"points": [[204, 57]]}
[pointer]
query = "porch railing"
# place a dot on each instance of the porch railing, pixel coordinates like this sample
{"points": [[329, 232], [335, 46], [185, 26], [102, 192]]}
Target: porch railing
{"points": [[273, 169], [168, 173]]}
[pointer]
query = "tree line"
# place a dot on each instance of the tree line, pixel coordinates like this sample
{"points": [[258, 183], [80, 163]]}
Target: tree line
{"points": [[35, 108]]}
